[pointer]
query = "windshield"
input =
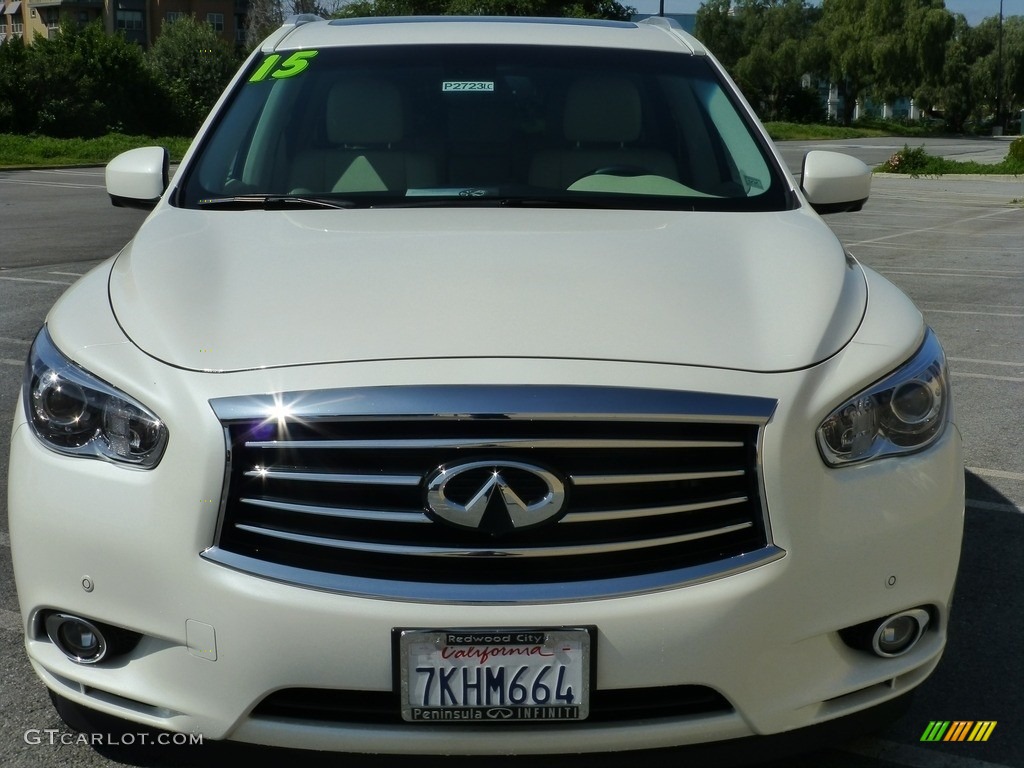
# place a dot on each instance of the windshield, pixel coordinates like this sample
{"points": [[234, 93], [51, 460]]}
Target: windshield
{"points": [[485, 125]]}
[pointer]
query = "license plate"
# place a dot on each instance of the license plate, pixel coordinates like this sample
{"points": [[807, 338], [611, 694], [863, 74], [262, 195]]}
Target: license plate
{"points": [[489, 676]]}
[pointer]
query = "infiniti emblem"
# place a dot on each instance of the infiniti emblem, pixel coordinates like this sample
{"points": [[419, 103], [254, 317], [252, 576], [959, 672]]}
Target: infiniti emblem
{"points": [[494, 496]]}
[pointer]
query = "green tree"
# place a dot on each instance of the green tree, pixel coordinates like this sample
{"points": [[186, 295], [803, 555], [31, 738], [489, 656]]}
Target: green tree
{"points": [[955, 94], [86, 83], [910, 52], [774, 63], [1012, 66], [997, 84], [719, 29], [193, 65], [17, 108], [262, 18], [884, 48], [762, 44]]}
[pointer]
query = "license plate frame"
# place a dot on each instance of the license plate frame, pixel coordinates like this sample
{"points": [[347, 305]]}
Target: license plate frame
{"points": [[503, 695]]}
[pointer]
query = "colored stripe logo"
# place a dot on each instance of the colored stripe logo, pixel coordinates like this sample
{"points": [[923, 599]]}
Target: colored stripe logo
{"points": [[959, 730]]}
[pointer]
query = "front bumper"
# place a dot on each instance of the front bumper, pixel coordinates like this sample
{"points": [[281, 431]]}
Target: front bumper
{"points": [[861, 543]]}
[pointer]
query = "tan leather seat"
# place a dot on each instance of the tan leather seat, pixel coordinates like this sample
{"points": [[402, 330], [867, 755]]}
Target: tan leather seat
{"points": [[364, 129], [603, 120]]}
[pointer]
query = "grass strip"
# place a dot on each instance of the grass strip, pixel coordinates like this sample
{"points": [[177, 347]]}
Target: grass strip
{"points": [[42, 151], [801, 132]]}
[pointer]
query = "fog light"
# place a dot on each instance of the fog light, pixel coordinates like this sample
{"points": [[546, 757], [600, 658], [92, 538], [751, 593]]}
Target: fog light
{"points": [[898, 634], [891, 636], [87, 642], [79, 640]]}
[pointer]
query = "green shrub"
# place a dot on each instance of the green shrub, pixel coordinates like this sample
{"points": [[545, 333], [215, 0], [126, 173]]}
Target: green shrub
{"points": [[17, 110], [86, 83], [913, 161], [192, 66], [1016, 153]]}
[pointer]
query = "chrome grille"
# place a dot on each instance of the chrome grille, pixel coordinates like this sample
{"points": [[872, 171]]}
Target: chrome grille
{"points": [[327, 489]]}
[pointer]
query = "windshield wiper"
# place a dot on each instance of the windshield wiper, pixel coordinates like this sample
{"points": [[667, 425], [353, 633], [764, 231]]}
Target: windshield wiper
{"points": [[272, 202]]}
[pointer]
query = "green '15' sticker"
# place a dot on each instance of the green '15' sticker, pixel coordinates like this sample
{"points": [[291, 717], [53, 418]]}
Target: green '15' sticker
{"points": [[279, 70]]}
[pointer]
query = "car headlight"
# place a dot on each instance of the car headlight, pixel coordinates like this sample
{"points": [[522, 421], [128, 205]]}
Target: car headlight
{"points": [[903, 413], [73, 412]]}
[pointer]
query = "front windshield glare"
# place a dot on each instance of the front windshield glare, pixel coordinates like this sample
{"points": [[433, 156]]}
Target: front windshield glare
{"points": [[456, 125]]}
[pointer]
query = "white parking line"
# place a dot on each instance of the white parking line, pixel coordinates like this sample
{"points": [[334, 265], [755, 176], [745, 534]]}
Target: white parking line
{"points": [[1002, 272], [987, 377], [916, 757], [960, 271], [69, 185], [935, 273], [991, 506], [10, 361], [1000, 473], [35, 280], [70, 171], [957, 247], [970, 360], [972, 312], [913, 232]]}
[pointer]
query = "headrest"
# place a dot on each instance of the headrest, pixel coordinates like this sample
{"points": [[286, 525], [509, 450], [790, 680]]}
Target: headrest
{"points": [[602, 109], [364, 112]]}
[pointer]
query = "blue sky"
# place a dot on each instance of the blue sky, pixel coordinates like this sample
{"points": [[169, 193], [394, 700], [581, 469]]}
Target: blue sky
{"points": [[974, 10]]}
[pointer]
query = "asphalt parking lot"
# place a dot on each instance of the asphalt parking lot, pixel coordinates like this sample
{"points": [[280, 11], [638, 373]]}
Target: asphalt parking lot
{"points": [[956, 246]]}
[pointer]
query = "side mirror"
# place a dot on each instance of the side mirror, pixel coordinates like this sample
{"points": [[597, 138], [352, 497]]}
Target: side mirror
{"points": [[137, 178], [834, 182]]}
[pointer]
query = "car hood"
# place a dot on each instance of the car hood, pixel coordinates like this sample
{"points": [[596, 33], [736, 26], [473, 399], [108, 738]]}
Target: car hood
{"points": [[238, 290]]}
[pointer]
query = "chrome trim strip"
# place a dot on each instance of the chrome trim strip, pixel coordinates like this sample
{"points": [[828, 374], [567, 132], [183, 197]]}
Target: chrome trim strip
{"points": [[333, 477], [625, 514], [766, 518], [225, 488], [498, 442], [418, 517], [496, 594], [395, 516], [666, 477], [557, 402], [382, 516], [527, 552]]}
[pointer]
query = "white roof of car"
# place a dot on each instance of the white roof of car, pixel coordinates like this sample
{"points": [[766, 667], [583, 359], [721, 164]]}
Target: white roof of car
{"points": [[302, 33]]}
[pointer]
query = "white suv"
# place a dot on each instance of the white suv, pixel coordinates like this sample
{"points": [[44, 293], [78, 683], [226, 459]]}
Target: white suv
{"points": [[484, 386]]}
